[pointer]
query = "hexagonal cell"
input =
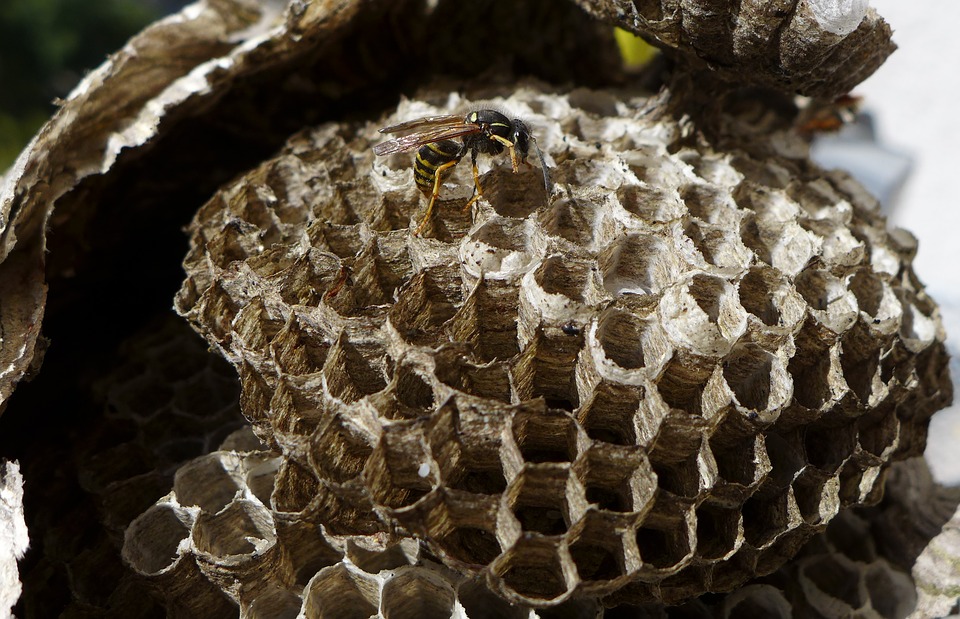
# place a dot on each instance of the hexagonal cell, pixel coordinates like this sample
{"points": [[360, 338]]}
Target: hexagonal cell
{"points": [[152, 541], [299, 350], [812, 368], [424, 304], [276, 603], [408, 395], [827, 295], [622, 336], [340, 449], [400, 471], [683, 380], [678, 477], [545, 368], [718, 244], [306, 550], [294, 487], [719, 531], [467, 452], [663, 540], [597, 552], [487, 321], [572, 219], [337, 592], [560, 275], [765, 518], [609, 414], [742, 462], [639, 264], [312, 275], [650, 203], [763, 291], [533, 571], [373, 555], [828, 447], [538, 500], [514, 195], [481, 603], [609, 477], [816, 496], [354, 369], [708, 203], [878, 434], [753, 374], [860, 361], [838, 578], [545, 438], [501, 248], [242, 529], [415, 592], [208, 481], [472, 546]]}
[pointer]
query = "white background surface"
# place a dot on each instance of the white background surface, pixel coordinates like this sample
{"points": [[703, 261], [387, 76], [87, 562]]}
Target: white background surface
{"points": [[915, 100]]}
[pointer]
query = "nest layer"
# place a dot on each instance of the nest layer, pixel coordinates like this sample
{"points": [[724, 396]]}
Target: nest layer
{"points": [[656, 381]]}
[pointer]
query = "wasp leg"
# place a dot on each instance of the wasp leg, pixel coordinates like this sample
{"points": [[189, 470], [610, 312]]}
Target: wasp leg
{"points": [[437, 180], [477, 191], [513, 151]]}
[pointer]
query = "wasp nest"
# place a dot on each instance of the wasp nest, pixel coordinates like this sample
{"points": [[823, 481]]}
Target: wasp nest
{"points": [[658, 380]]}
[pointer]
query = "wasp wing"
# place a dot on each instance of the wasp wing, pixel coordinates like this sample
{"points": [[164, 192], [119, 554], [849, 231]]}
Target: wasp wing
{"points": [[416, 140], [433, 122]]}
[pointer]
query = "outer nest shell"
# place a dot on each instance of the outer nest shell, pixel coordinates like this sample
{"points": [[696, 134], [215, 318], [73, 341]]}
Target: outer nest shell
{"points": [[658, 381]]}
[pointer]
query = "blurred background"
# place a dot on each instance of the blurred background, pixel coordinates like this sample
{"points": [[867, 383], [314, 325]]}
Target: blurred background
{"points": [[905, 149]]}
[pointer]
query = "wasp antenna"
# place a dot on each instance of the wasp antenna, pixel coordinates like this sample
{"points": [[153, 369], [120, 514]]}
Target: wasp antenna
{"points": [[543, 168]]}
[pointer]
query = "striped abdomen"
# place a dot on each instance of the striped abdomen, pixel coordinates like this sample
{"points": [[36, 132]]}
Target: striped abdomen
{"points": [[430, 157]]}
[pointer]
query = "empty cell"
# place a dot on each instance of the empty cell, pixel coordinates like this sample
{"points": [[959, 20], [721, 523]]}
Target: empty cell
{"points": [[597, 551], [707, 202], [829, 447], [718, 530], [299, 351], [424, 305], [487, 321], [787, 458], [684, 585], [538, 500], [208, 481], [837, 577], [545, 437], [255, 327], [514, 195], [860, 361], [244, 529], [574, 608], [620, 335], [812, 366], [411, 394], [339, 449], [892, 593], [615, 499], [739, 463], [878, 435], [474, 477], [764, 518], [609, 415], [152, 540], [682, 382], [663, 548], [758, 290], [354, 369], [536, 518], [470, 545], [718, 244], [680, 478], [339, 593], [561, 275], [261, 476], [651, 203], [500, 248], [400, 470], [533, 570], [816, 496], [309, 278], [869, 289], [571, 219], [638, 264], [378, 558], [295, 486], [749, 372], [415, 593], [545, 369], [274, 604], [481, 603]]}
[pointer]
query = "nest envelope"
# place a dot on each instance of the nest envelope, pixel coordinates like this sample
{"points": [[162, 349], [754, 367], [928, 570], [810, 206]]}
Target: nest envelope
{"points": [[658, 381]]}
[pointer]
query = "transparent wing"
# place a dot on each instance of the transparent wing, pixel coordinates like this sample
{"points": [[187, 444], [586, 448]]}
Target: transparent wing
{"points": [[416, 140], [433, 122]]}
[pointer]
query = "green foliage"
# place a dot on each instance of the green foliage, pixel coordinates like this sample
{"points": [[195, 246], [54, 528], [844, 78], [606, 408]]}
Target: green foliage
{"points": [[44, 47]]}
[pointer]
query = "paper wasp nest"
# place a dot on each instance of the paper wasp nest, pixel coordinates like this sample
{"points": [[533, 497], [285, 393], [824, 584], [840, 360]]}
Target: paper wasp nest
{"points": [[657, 381]]}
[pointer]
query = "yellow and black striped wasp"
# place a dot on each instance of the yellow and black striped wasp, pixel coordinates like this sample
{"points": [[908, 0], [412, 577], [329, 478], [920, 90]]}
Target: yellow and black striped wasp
{"points": [[480, 132]]}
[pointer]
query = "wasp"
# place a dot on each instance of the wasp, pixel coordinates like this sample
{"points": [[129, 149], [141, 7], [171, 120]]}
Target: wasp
{"points": [[486, 132]]}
